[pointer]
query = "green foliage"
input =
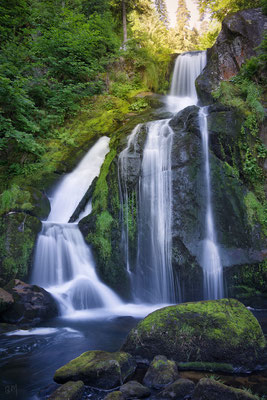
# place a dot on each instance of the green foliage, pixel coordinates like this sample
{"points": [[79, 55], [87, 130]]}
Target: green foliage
{"points": [[139, 105], [256, 211], [220, 8], [15, 198]]}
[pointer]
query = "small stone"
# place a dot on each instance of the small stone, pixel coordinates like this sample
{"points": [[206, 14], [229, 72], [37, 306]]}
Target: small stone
{"points": [[134, 390], [161, 373], [115, 396], [213, 390], [98, 368], [177, 390], [69, 391]]}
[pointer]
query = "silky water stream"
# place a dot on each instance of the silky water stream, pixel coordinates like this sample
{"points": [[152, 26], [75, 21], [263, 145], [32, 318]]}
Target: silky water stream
{"points": [[92, 315]]}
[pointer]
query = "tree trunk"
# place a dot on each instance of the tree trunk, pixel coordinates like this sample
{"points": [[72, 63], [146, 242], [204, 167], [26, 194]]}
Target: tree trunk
{"points": [[124, 23]]}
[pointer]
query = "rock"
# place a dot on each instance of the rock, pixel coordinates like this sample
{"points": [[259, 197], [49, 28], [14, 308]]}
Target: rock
{"points": [[69, 391], [209, 389], [241, 33], [134, 390], [206, 331], [82, 204], [178, 390], [114, 396], [18, 232], [160, 373], [40, 202], [98, 368], [6, 300], [32, 304]]}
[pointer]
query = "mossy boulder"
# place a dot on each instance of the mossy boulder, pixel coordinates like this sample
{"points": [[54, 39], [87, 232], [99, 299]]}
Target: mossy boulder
{"points": [[32, 304], [134, 390], [98, 368], [117, 395], [69, 391], [209, 389], [178, 390], [18, 232], [206, 331], [160, 373]]}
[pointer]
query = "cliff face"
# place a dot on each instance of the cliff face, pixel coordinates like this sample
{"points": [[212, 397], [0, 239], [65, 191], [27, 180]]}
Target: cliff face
{"points": [[241, 33]]}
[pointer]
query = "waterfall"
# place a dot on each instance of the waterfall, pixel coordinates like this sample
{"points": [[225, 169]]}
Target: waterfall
{"points": [[211, 263], [186, 69], [63, 262], [151, 272]]}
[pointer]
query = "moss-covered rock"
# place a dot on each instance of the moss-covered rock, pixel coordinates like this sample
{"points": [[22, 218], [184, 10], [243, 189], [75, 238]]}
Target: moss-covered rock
{"points": [[69, 391], [241, 34], [207, 331], [160, 373], [134, 390], [98, 368], [209, 389], [18, 232], [117, 395], [178, 390], [32, 304]]}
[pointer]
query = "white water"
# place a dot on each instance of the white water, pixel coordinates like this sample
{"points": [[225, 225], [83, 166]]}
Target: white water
{"points": [[211, 263], [64, 263], [183, 91], [152, 275]]}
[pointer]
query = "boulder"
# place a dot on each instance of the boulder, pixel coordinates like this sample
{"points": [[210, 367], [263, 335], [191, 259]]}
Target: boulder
{"points": [[114, 396], [134, 390], [69, 391], [241, 33], [209, 389], [6, 300], [31, 305], [208, 331], [160, 373], [98, 368], [178, 390]]}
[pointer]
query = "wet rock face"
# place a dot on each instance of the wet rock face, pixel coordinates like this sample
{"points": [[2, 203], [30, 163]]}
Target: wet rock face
{"points": [[241, 33], [218, 331], [239, 241], [31, 304], [98, 368], [134, 390]]}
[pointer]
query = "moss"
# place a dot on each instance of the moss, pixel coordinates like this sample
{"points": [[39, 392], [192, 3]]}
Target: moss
{"points": [[206, 366], [70, 390], [115, 396], [207, 331], [98, 368], [17, 238], [257, 213]]}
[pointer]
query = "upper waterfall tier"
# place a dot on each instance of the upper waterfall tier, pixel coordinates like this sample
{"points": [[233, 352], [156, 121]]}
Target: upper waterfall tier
{"points": [[73, 187]]}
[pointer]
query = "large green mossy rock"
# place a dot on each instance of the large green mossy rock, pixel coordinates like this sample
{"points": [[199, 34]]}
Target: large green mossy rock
{"points": [[219, 331], [98, 368]]}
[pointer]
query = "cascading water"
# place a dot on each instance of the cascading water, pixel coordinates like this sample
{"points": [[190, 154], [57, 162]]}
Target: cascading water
{"points": [[63, 262], [152, 275], [211, 263]]}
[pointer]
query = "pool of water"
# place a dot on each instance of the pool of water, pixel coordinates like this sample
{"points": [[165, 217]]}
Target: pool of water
{"points": [[29, 359]]}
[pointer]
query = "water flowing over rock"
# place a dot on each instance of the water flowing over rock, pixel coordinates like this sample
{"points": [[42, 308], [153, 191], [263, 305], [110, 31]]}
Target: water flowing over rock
{"points": [[63, 262], [241, 33]]}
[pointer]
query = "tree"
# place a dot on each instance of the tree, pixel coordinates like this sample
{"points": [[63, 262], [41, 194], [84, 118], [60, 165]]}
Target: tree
{"points": [[162, 11], [182, 16], [220, 8]]}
